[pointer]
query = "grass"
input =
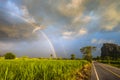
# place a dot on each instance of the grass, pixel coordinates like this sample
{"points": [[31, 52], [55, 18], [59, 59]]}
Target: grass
{"points": [[115, 63], [40, 69]]}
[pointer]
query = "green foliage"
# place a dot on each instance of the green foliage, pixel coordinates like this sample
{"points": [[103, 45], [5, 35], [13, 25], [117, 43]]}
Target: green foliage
{"points": [[108, 59], [87, 52], [73, 56], [40, 69], [51, 55], [115, 63], [9, 56], [98, 57], [111, 50]]}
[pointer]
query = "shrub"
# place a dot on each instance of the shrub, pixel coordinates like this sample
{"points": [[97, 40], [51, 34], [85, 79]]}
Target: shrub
{"points": [[9, 56], [72, 56]]}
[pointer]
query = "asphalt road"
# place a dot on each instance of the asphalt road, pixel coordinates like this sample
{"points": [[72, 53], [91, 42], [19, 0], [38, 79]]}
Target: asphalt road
{"points": [[104, 72]]}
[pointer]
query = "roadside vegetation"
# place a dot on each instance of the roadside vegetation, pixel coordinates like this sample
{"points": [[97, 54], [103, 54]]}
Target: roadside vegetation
{"points": [[87, 52], [38, 69], [25, 68], [110, 54], [108, 60], [115, 63]]}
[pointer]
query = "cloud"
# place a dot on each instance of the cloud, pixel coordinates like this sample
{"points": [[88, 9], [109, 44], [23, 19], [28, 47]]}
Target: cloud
{"points": [[12, 7], [109, 27], [82, 31], [7, 46], [79, 14], [101, 41], [82, 19], [72, 8], [14, 27], [27, 17], [85, 19], [68, 35], [41, 27], [111, 17], [74, 4], [73, 35]]}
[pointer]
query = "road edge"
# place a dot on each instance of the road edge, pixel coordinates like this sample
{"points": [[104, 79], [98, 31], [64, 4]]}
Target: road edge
{"points": [[95, 71], [110, 71]]}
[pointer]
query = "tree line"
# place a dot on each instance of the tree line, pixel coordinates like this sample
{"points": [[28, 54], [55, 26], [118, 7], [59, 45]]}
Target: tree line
{"points": [[108, 51]]}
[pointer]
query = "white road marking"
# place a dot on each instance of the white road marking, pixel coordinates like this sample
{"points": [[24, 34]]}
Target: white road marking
{"points": [[110, 71], [95, 71], [111, 66]]}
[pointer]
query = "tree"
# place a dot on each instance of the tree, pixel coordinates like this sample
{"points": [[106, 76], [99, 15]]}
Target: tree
{"points": [[9, 56], [72, 56], [108, 59], [111, 50], [51, 55], [98, 57], [87, 52]]}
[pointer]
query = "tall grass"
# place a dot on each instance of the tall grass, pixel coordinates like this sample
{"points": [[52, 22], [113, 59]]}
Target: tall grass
{"points": [[39, 69]]}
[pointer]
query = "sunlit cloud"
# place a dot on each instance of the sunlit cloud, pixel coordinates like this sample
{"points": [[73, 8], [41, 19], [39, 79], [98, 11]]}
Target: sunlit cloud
{"points": [[101, 41], [74, 4], [68, 35], [82, 31], [80, 19], [72, 8], [111, 17]]}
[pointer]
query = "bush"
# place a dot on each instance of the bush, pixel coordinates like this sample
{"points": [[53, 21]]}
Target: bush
{"points": [[9, 56], [72, 56]]}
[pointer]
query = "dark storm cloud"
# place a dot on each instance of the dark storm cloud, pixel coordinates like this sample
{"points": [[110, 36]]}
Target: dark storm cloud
{"points": [[75, 14], [13, 25], [15, 29], [67, 23], [67, 16]]}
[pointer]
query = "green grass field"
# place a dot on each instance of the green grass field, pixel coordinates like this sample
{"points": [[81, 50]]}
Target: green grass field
{"points": [[40, 69]]}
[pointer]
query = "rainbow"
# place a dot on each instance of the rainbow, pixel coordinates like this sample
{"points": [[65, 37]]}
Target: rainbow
{"points": [[43, 33]]}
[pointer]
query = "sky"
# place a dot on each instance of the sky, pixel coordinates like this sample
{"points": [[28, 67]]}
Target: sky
{"points": [[38, 28]]}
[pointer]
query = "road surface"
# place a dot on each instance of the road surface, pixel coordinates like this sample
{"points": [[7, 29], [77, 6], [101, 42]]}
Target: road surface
{"points": [[104, 72]]}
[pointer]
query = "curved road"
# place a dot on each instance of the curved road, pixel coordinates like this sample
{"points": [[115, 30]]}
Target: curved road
{"points": [[104, 72]]}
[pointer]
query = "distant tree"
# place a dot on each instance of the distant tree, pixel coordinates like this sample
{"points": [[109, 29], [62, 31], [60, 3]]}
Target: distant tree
{"points": [[0, 55], [108, 59], [9, 56], [98, 57], [110, 49], [87, 52], [51, 55], [72, 56]]}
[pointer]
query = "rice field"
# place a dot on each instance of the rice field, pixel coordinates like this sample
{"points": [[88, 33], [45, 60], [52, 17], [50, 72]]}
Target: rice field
{"points": [[40, 69]]}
